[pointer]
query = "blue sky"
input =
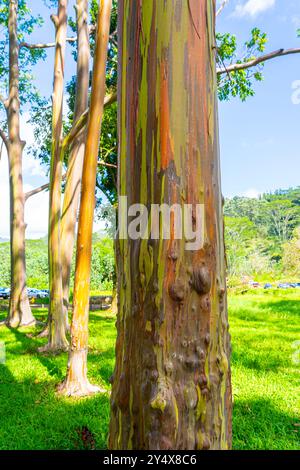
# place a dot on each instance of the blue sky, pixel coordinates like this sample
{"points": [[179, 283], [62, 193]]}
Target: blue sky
{"points": [[260, 139]]}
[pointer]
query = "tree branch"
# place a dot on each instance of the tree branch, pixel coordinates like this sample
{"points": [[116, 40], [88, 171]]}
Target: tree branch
{"points": [[45, 45], [82, 121], [222, 7], [4, 138], [48, 45], [78, 126], [257, 61], [4, 102], [45, 186], [110, 165], [38, 190], [1, 149]]}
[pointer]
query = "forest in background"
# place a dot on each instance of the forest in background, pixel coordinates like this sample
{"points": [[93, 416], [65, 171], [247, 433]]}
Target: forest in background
{"points": [[263, 236], [172, 303], [262, 242]]}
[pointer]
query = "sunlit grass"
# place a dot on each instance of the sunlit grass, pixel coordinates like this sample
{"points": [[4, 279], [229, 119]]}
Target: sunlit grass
{"points": [[264, 327]]}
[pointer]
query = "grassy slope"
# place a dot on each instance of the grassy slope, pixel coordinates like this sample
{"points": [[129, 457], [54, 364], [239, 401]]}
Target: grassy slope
{"points": [[265, 381]]}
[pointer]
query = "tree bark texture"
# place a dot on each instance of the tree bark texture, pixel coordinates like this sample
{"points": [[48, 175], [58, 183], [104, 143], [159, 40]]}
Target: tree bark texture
{"points": [[19, 308], [74, 170], [56, 322], [171, 385], [76, 382]]}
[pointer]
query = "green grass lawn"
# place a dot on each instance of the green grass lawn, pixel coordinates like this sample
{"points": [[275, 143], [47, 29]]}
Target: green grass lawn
{"points": [[265, 381]]}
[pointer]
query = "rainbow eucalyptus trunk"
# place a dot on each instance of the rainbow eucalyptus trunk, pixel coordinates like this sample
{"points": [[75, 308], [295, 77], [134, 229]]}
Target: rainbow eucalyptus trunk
{"points": [[171, 384], [74, 170], [19, 308], [56, 323], [76, 382]]}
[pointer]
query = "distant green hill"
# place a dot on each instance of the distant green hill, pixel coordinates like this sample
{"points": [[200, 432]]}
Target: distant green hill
{"points": [[37, 264], [263, 235], [262, 242]]}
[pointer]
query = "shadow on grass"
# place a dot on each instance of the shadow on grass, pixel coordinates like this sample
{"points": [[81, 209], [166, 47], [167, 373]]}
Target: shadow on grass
{"points": [[32, 417], [290, 307], [102, 358], [259, 424], [261, 362], [255, 310], [106, 364]]}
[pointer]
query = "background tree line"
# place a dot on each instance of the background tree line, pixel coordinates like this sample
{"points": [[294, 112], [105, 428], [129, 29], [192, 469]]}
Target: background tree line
{"points": [[262, 241], [262, 235], [154, 281]]}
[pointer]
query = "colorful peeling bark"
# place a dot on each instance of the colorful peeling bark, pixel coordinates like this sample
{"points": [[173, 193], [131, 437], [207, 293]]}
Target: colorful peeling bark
{"points": [[19, 308], [76, 382], [74, 170], [171, 385], [56, 323]]}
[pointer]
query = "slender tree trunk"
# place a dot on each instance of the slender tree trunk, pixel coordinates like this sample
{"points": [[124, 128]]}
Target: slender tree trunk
{"points": [[56, 323], [171, 385], [74, 171], [19, 307], [76, 382]]}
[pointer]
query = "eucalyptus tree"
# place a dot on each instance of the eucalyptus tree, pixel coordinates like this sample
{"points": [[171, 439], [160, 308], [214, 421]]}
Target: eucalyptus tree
{"points": [[171, 385], [73, 142], [76, 382], [76, 154], [16, 91]]}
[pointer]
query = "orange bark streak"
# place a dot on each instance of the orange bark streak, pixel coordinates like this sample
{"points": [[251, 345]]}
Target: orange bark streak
{"points": [[165, 137]]}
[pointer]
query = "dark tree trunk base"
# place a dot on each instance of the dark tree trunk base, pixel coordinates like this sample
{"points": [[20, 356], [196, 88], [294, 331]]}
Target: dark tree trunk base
{"points": [[44, 333], [76, 389], [16, 324], [54, 348], [19, 313]]}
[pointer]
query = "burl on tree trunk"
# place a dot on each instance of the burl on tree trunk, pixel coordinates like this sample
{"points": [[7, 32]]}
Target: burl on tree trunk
{"points": [[171, 385]]}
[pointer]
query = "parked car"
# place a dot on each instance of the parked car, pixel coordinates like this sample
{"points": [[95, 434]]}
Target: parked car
{"points": [[254, 284], [283, 285], [32, 293], [4, 293], [268, 286], [37, 293], [43, 294]]}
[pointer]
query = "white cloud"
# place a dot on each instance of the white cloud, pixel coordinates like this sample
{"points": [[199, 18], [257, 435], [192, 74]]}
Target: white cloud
{"points": [[296, 21], [4, 197], [36, 208], [36, 214], [252, 193], [253, 7], [32, 167]]}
